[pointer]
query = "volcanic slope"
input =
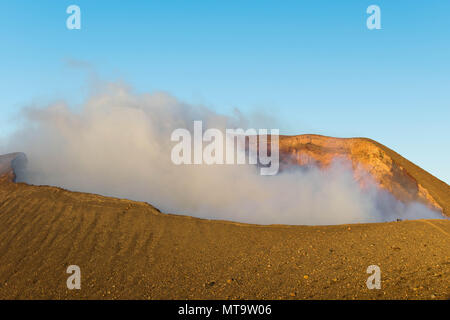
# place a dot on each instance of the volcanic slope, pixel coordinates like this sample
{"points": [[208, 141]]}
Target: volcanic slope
{"points": [[130, 250]]}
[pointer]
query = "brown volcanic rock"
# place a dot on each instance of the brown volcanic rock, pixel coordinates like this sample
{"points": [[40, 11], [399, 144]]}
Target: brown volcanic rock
{"points": [[406, 181], [10, 164]]}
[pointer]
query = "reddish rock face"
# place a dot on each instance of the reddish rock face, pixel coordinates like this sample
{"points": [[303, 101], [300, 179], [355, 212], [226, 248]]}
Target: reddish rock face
{"points": [[365, 156]]}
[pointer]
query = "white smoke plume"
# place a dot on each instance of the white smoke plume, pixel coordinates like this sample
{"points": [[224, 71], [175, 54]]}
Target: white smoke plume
{"points": [[118, 144]]}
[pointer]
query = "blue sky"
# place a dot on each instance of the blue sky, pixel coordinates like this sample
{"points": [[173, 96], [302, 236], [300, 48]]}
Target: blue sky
{"points": [[312, 63]]}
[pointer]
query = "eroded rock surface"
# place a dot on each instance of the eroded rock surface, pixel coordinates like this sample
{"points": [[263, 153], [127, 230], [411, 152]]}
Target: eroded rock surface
{"points": [[11, 165]]}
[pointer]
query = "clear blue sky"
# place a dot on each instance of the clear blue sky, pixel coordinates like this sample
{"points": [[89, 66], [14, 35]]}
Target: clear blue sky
{"points": [[314, 63]]}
